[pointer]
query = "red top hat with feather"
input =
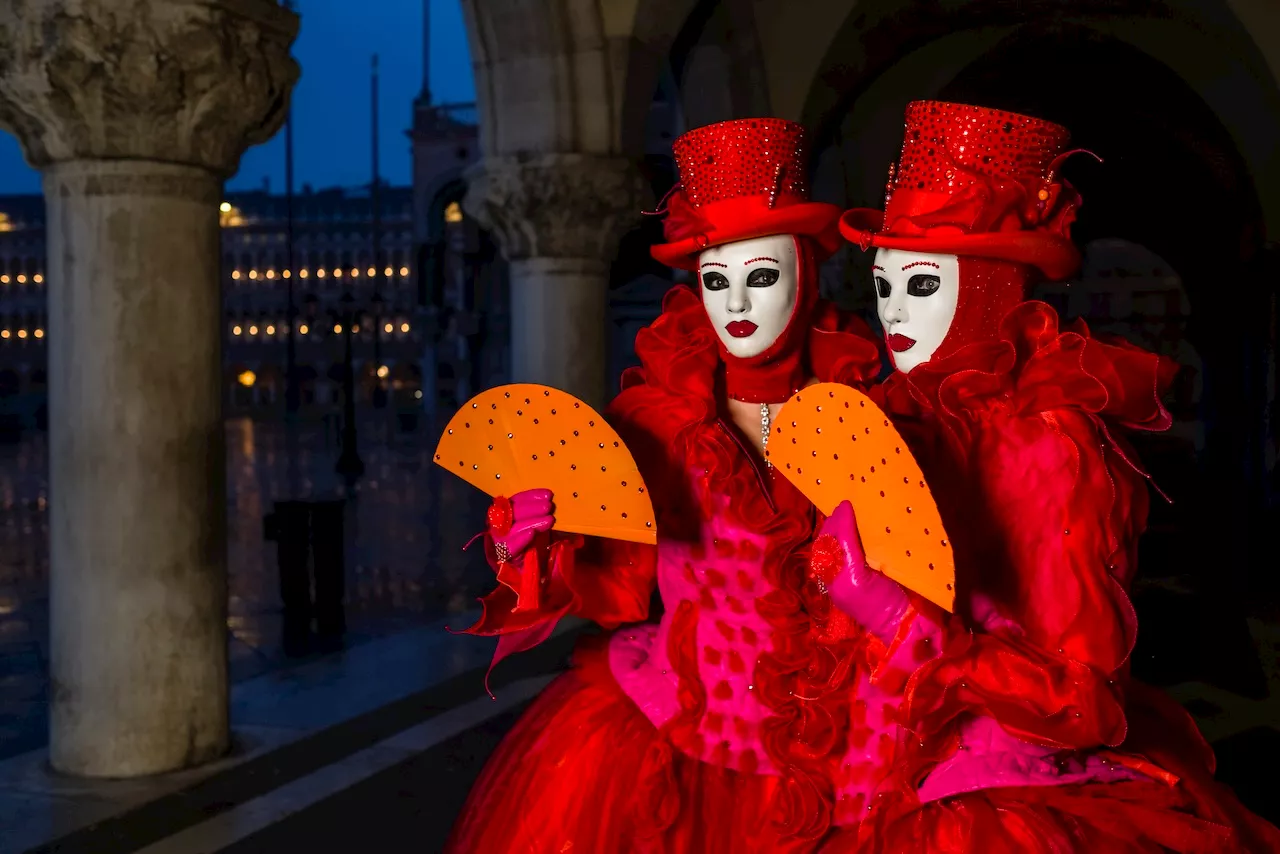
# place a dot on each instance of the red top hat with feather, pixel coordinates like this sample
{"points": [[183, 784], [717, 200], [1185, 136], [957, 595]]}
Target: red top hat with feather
{"points": [[978, 182], [740, 180]]}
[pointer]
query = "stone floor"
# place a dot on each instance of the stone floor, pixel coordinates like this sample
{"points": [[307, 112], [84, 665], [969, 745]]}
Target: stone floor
{"points": [[405, 530]]}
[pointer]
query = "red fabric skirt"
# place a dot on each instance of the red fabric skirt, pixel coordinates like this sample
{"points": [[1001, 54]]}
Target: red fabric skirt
{"points": [[585, 771]]}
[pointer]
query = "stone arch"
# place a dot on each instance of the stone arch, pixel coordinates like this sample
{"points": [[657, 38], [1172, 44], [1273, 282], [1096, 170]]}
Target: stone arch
{"points": [[1203, 42], [1184, 108], [1170, 158], [449, 188], [579, 75]]}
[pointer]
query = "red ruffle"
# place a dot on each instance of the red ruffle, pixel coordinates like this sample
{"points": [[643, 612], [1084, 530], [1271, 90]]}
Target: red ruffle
{"points": [[1034, 367], [584, 768], [674, 395], [669, 417], [1045, 507], [1140, 817]]}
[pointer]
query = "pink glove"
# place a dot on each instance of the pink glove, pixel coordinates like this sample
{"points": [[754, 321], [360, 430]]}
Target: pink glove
{"points": [[515, 522], [875, 601], [514, 526]]}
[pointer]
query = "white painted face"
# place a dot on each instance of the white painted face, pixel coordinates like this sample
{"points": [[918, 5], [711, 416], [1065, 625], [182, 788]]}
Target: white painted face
{"points": [[749, 290], [916, 297]]}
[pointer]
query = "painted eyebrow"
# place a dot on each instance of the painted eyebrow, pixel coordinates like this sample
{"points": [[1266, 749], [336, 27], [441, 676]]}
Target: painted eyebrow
{"points": [[921, 264], [877, 267], [714, 264], [761, 258]]}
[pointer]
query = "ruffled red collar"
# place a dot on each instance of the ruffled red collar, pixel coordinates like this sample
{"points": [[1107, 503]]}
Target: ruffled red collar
{"points": [[679, 352], [1034, 366]]}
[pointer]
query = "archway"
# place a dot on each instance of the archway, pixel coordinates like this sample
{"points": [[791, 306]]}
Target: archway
{"points": [[1176, 181], [1169, 162]]}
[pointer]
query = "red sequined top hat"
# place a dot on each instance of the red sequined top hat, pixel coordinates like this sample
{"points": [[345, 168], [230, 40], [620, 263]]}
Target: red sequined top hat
{"points": [[740, 180], [978, 182]]}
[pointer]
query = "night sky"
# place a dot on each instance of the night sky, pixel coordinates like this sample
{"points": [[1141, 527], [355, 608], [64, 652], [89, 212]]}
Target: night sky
{"points": [[331, 101]]}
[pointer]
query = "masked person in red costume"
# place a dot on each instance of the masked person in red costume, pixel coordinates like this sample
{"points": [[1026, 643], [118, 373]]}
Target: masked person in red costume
{"points": [[716, 729], [1022, 729]]}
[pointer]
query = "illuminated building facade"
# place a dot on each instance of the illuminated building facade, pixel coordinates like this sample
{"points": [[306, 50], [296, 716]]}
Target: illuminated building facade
{"points": [[24, 320], [332, 256]]}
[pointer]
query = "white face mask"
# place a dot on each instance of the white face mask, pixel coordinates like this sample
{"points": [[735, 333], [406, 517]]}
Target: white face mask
{"points": [[916, 296], [749, 290]]}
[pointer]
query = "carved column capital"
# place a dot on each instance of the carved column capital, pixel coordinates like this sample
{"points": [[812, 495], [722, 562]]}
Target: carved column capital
{"points": [[192, 82], [557, 205]]}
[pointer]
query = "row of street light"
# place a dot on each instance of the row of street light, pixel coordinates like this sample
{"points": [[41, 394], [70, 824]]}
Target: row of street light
{"points": [[321, 273]]}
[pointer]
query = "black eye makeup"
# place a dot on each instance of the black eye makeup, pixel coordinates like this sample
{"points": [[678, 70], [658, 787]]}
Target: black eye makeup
{"points": [[883, 288], [923, 285], [714, 281], [762, 277]]}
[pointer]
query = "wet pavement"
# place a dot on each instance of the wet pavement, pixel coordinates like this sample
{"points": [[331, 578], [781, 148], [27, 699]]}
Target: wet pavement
{"points": [[405, 529]]}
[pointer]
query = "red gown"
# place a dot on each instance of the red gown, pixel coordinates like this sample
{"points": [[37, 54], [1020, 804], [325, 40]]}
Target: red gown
{"points": [[1020, 437], [690, 735], [748, 748]]}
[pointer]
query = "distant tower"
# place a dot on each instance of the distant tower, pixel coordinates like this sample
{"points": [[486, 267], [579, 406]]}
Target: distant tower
{"points": [[453, 271], [424, 97]]}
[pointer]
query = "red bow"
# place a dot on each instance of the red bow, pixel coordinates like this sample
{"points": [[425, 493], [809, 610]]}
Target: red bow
{"points": [[683, 220]]}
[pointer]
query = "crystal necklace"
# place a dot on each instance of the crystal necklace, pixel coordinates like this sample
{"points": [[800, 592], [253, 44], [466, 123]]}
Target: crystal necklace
{"points": [[765, 421]]}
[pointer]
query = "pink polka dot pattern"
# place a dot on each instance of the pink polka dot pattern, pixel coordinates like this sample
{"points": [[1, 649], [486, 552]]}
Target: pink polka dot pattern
{"points": [[743, 157]]}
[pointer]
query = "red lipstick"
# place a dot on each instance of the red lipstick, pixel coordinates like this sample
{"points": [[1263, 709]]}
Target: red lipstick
{"points": [[745, 329], [900, 343]]}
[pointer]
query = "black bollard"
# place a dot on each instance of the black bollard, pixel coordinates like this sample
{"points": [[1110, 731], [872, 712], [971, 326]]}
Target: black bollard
{"points": [[329, 555], [289, 526]]}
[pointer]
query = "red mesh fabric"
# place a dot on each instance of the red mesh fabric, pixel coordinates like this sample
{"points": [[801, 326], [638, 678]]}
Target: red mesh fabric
{"points": [[989, 290], [744, 157]]}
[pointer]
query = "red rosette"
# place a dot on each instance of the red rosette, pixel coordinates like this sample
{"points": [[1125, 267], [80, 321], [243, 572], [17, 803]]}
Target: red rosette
{"points": [[500, 516], [825, 559]]}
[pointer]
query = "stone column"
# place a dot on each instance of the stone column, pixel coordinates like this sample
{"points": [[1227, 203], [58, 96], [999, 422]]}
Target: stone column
{"points": [[558, 219], [135, 113]]}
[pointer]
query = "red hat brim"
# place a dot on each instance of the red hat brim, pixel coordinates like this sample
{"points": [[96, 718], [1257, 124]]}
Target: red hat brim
{"points": [[816, 220], [1054, 256]]}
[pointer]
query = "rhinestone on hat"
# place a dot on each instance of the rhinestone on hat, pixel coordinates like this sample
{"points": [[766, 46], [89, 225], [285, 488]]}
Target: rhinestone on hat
{"points": [[946, 144], [743, 157]]}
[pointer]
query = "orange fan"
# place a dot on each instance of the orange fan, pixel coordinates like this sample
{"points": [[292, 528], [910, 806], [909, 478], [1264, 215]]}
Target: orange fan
{"points": [[835, 445], [524, 436]]}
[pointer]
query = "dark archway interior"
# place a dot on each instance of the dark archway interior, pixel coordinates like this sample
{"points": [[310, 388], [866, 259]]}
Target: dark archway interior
{"points": [[1172, 181]]}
